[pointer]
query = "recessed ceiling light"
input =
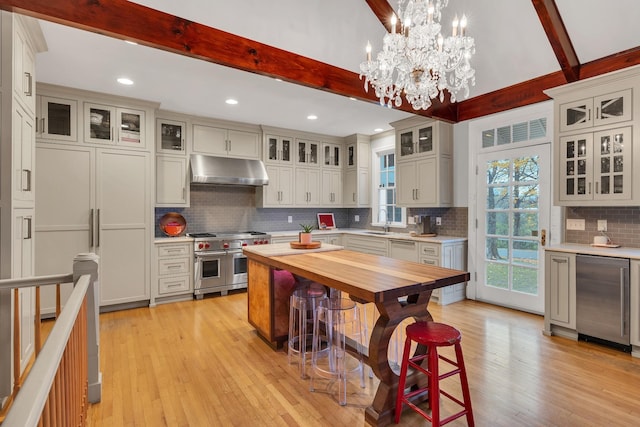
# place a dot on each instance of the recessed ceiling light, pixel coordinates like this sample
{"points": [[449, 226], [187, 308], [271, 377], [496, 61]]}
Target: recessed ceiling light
{"points": [[352, 98], [125, 81], [278, 80], [231, 101], [131, 42], [312, 117], [378, 130]]}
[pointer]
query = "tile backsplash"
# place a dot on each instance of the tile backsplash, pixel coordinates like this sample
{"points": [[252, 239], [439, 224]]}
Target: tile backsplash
{"points": [[623, 225], [233, 208]]}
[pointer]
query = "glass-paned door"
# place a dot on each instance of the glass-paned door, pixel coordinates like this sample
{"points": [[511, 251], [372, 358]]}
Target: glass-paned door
{"points": [[513, 218]]}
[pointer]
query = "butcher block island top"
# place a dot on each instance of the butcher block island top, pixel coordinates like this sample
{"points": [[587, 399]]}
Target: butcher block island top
{"points": [[400, 289]]}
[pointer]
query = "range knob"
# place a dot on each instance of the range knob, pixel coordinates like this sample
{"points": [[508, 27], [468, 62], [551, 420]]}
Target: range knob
{"points": [[244, 243], [265, 242], [207, 245], [225, 245], [200, 245], [256, 242]]}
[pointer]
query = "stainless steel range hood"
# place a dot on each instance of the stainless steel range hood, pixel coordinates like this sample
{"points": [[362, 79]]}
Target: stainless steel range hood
{"points": [[227, 171]]}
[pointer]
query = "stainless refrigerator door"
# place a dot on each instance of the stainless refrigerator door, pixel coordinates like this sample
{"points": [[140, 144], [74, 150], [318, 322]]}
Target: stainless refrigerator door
{"points": [[602, 298]]}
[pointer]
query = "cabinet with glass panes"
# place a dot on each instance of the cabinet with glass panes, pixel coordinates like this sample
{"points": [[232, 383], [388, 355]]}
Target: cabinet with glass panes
{"points": [[596, 166]]}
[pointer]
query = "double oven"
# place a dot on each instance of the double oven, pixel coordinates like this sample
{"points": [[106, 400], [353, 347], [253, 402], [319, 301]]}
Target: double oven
{"points": [[220, 265]]}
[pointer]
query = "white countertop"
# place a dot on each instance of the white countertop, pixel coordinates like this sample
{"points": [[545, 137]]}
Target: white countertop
{"points": [[278, 249], [373, 233], [631, 253], [178, 239]]}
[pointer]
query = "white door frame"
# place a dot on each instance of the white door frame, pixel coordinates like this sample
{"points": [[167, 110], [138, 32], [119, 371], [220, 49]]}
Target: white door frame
{"points": [[554, 234]]}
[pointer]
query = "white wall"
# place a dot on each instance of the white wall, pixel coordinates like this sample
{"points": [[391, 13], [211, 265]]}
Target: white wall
{"points": [[461, 164]]}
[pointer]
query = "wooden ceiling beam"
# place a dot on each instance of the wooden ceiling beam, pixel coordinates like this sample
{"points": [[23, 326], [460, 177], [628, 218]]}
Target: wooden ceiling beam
{"points": [[559, 39], [383, 10], [130, 21]]}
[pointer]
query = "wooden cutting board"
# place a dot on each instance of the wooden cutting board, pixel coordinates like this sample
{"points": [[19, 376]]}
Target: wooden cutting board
{"points": [[312, 245]]}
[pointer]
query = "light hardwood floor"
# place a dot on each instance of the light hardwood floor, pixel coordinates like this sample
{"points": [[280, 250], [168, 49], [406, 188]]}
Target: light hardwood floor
{"points": [[200, 363]]}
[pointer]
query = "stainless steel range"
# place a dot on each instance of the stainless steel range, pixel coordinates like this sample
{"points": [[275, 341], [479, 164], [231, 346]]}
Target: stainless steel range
{"points": [[219, 262]]}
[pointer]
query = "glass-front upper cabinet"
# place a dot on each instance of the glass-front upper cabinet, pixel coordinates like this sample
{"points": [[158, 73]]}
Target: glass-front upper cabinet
{"points": [[57, 118], [596, 166], [307, 153], [331, 155], [279, 149], [111, 125], [171, 136], [598, 111], [414, 141]]}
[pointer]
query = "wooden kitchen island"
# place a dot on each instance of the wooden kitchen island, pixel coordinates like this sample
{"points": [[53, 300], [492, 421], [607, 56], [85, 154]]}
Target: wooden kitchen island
{"points": [[366, 278]]}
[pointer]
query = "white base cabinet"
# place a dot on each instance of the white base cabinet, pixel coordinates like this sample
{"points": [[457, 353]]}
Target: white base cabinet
{"points": [[173, 271], [448, 255]]}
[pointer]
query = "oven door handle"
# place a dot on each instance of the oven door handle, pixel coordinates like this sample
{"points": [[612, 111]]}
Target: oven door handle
{"points": [[209, 256], [234, 251]]}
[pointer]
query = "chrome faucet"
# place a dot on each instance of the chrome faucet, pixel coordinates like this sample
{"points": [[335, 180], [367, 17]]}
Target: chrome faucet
{"points": [[387, 224]]}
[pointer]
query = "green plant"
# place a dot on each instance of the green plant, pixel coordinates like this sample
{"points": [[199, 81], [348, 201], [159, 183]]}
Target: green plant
{"points": [[306, 228]]}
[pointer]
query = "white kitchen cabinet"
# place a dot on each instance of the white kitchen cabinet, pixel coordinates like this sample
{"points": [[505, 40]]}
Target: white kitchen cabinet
{"points": [[307, 187], [424, 164], [307, 153], [23, 138], [331, 155], [357, 175], [56, 118], [417, 138], [596, 166], [332, 239], [23, 267], [425, 183], [634, 306], [171, 136], [331, 188], [95, 200], [278, 150], [560, 290], [279, 191], [105, 124], [366, 244], [172, 186], [218, 141], [173, 272], [406, 250], [449, 255], [24, 67], [600, 110], [594, 136]]}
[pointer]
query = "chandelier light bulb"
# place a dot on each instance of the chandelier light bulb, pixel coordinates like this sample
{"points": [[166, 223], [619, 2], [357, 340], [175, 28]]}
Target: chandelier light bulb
{"points": [[418, 63]]}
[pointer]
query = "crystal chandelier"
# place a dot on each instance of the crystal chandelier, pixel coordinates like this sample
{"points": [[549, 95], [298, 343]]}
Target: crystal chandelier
{"points": [[417, 60]]}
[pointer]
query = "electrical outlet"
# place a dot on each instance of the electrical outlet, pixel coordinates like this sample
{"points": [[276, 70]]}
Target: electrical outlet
{"points": [[602, 225], [289, 219], [575, 224], [357, 218], [438, 220]]}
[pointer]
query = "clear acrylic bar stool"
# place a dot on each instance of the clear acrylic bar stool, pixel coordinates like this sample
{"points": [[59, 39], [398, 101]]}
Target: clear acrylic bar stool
{"points": [[302, 309], [339, 320]]}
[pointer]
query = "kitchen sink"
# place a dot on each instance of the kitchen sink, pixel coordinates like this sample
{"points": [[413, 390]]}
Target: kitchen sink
{"points": [[382, 233]]}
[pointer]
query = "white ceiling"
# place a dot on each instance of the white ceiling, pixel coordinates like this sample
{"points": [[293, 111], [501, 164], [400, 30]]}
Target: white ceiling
{"points": [[511, 47]]}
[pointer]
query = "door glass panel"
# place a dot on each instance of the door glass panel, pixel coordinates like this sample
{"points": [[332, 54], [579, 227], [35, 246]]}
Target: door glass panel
{"points": [[618, 184], [273, 149], [571, 149], [327, 155], [571, 186], [130, 127], [425, 139], [488, 137], [406, 143], [605, 145], [498, 223], [525, 224], [604, 185], [100, 127], [497, 275], [605, 165], [240, 265], [611, 108], [618, 163], [336, 156], [582, 148], [211, 268], [313, 154], [171, 136], [576, 114], [286, 150], [59, 116], [302, 152], [351, 160]]}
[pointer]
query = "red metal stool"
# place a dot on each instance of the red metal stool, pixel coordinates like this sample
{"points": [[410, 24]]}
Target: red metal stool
{"points": [[433, 335]]}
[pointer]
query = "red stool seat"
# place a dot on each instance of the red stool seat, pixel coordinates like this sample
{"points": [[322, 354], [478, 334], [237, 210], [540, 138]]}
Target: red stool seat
{"points": [[433, 335]]}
